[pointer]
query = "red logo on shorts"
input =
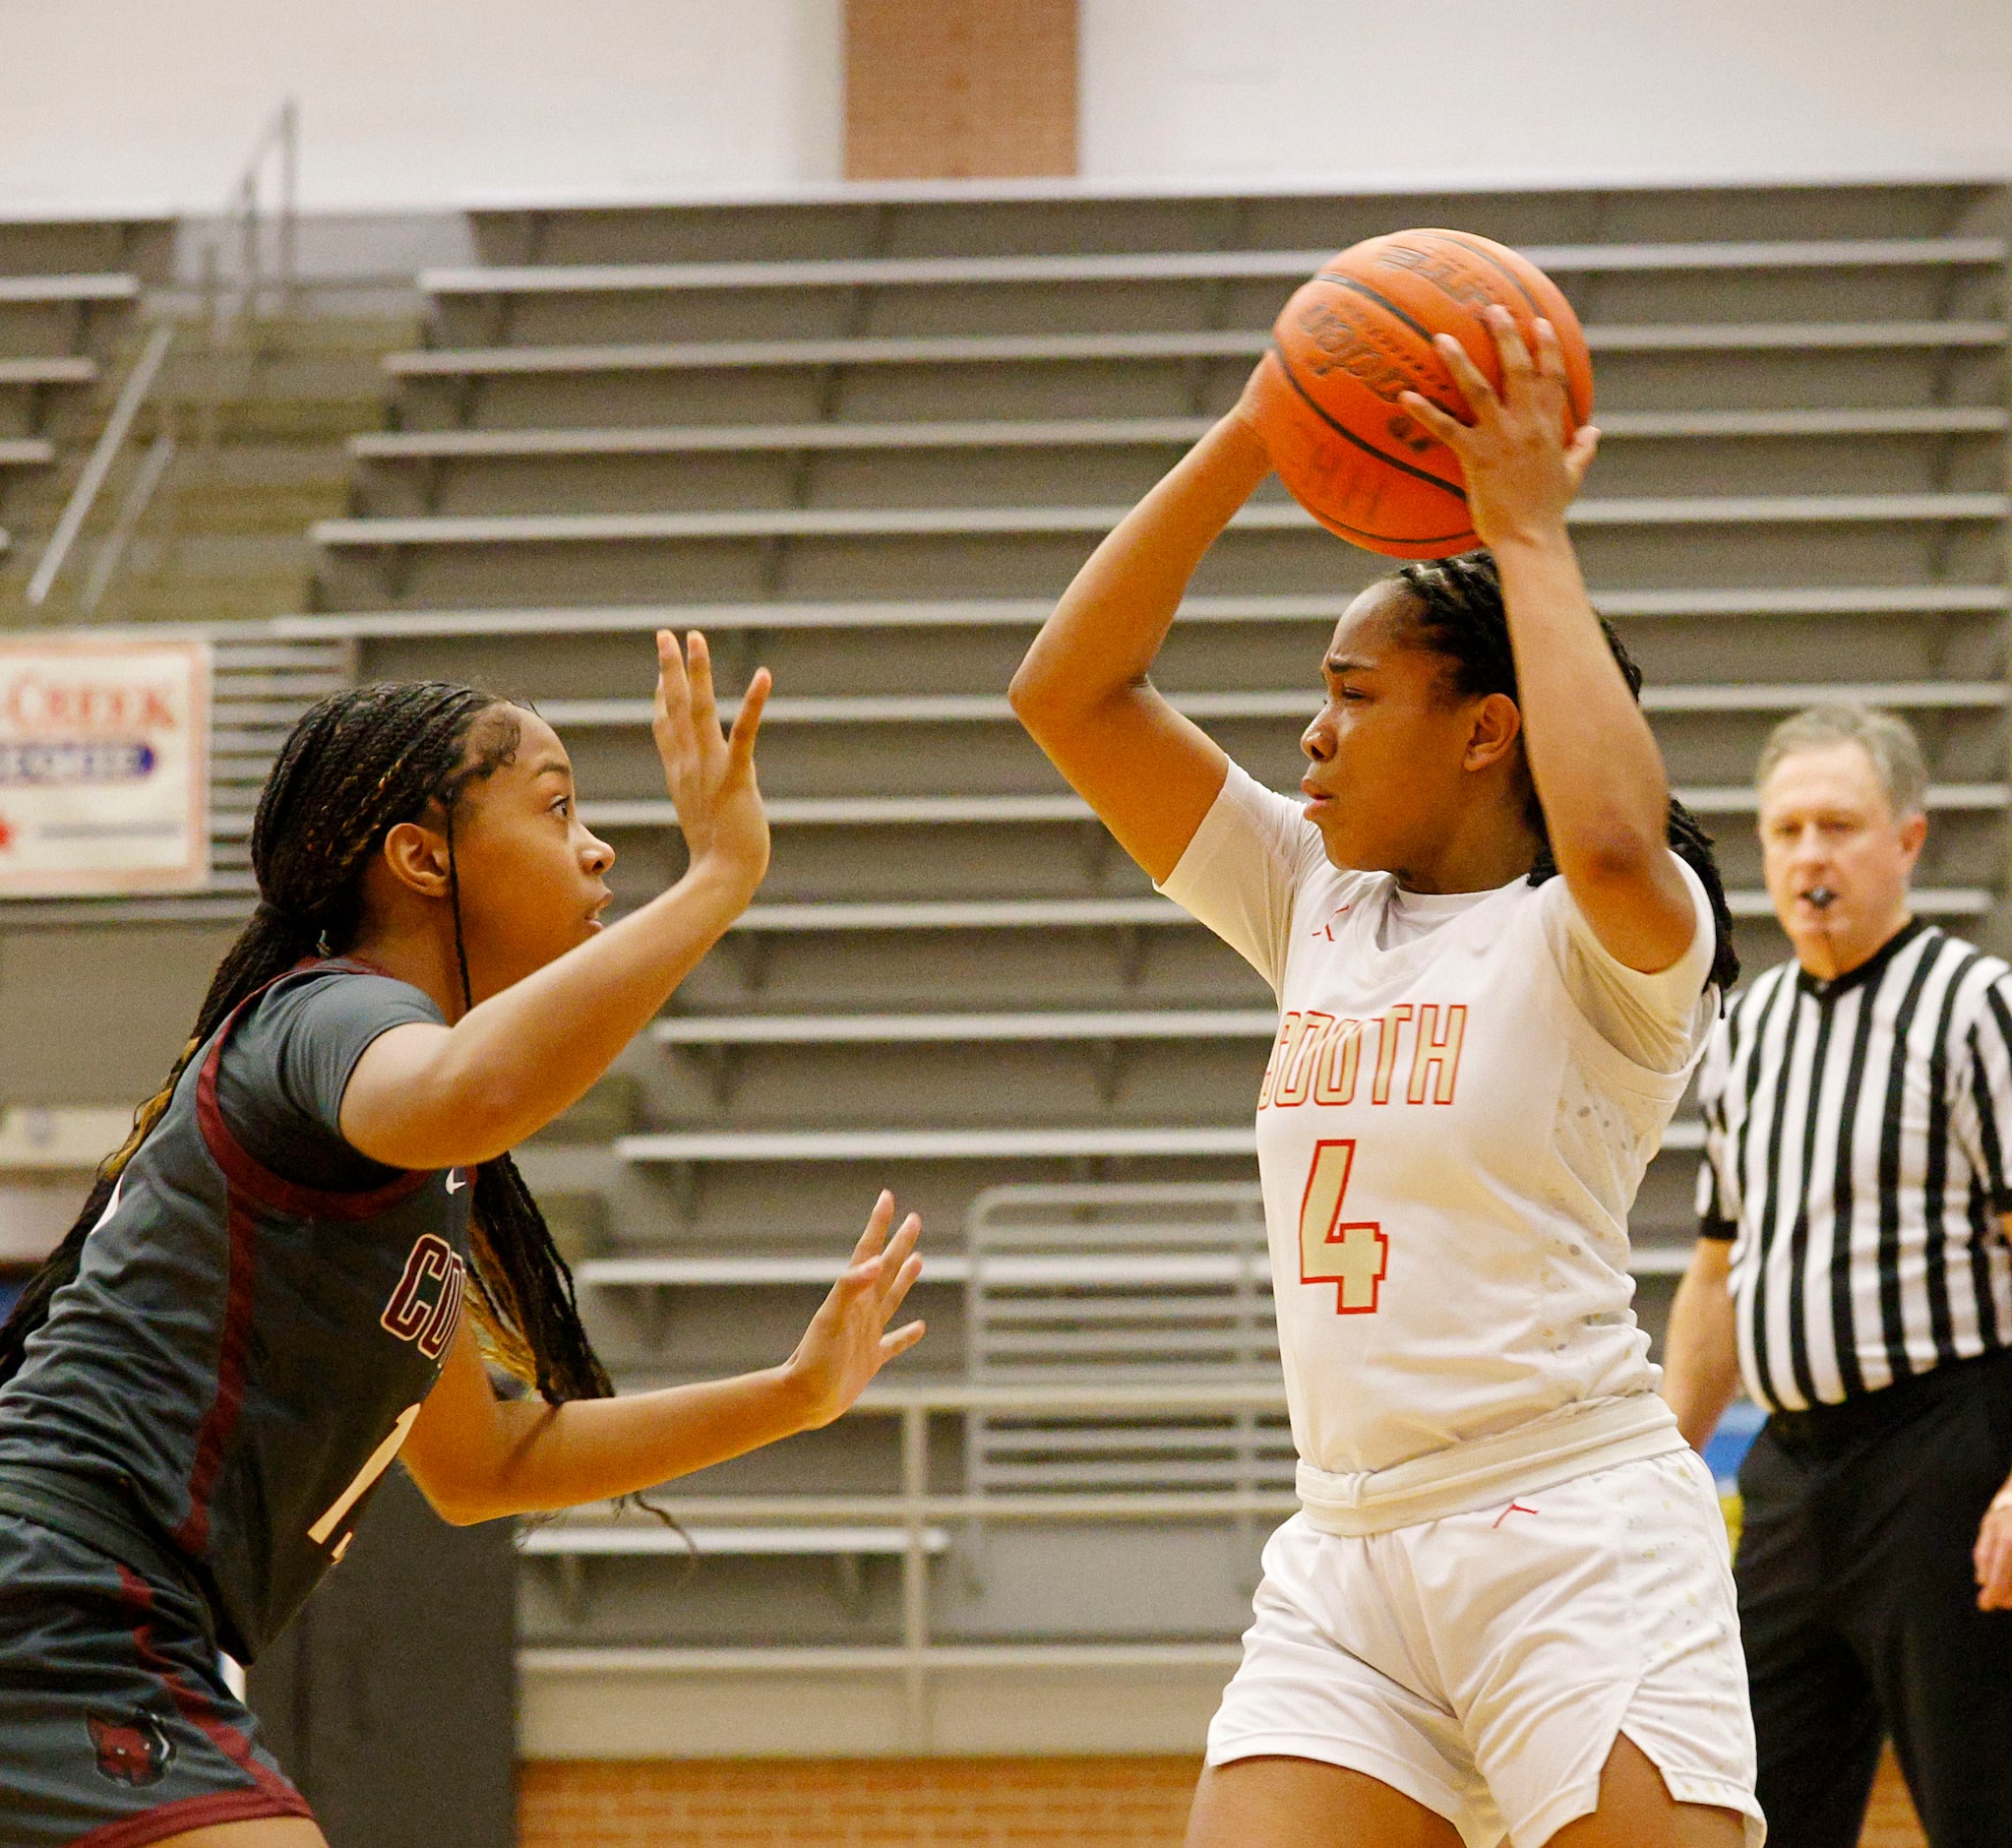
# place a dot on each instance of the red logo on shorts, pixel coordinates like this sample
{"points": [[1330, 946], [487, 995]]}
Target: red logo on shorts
{"points": [[134, 1748]]}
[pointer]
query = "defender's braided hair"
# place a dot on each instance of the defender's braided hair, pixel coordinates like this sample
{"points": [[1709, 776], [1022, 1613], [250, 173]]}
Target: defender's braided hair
{"points": [[1461, 617], [359, 764]]}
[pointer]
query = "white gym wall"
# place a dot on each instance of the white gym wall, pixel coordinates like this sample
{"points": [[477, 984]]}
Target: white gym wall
{"points": [[133, 105]]}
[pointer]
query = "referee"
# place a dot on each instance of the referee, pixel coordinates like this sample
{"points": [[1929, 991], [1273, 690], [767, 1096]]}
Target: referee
{"points": [[1854, 1274]]}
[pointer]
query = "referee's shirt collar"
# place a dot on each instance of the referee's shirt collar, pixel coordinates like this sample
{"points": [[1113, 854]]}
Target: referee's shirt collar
{"points": [[1867, 971]]}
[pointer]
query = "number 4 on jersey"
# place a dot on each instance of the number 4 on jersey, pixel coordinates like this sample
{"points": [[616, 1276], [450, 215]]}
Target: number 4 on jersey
{"points": [[1350, 1257]]}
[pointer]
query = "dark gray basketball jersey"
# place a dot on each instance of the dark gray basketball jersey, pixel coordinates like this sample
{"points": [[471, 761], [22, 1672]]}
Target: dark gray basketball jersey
{"points": [[241, 1355]]}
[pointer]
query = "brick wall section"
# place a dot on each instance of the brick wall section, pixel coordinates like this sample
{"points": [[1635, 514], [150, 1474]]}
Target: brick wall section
{"points": [[960, 88], [913, 1802]]}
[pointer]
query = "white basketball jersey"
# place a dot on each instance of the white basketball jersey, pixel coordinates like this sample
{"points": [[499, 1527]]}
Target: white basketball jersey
{"points": [[1449, 1145]]}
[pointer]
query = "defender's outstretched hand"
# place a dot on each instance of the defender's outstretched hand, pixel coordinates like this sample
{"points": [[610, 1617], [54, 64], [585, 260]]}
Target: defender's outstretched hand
{"points": [[1521, 473], [710, 775], [848, 1340]]}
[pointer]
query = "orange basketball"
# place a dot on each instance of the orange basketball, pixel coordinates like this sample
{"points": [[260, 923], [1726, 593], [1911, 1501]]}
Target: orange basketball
{"points": [[1358, 333]]}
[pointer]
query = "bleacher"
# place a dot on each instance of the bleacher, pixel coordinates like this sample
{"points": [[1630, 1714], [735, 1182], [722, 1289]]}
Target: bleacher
{"points": [[866, 443], [67, 292]]}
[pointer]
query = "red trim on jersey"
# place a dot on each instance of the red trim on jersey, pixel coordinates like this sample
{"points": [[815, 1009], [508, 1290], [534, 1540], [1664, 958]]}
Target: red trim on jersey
{"points": [[247, 1183], [270, 1795], [272, 1190], [193, 1535]]}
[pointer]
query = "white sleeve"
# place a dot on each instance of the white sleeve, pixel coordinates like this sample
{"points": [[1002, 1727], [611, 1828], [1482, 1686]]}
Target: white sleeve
{"points": [[1243, 869], [1659, 1021]]}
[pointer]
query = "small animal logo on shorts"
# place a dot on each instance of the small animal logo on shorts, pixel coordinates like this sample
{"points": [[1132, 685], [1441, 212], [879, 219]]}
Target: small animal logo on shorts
{"points": [[132, 1748]]}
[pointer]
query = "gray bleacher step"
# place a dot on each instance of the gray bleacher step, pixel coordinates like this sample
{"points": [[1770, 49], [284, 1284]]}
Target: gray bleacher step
{"points": [[229, 899], [783, 522], [1175, 266], [379, 445], [955, 914], [955, 709], [26, 451], [706, 438], [68, 288], [634, 1539], [1816, 601], [865, 811], [866, 1029], [1203, 343], [930, 1144], [57, 369], [1064, 1142]]}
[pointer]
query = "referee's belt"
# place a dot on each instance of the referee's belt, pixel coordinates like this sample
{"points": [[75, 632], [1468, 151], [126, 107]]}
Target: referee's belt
{"points": [[1885, 1409]]}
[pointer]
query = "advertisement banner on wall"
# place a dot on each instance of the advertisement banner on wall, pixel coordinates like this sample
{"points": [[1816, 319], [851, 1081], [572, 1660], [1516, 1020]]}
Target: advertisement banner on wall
{"points": [[104, 765]]}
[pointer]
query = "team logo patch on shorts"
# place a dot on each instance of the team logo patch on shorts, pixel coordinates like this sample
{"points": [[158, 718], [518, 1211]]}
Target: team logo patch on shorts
{"points": [[132, 1748]]}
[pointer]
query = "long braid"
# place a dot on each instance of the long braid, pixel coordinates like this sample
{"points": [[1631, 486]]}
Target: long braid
{"points": [[357, 763], [1461, 617]]}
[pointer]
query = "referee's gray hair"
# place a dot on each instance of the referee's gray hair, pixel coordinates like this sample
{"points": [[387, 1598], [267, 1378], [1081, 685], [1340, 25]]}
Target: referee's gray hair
{"points": [[1888, 740]]}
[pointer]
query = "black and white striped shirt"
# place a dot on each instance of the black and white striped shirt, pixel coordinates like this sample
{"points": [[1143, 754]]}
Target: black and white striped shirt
{"points": [[1855, 1154]]}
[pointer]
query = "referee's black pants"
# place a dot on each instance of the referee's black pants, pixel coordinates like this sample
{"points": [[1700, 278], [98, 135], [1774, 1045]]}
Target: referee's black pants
{"points": [[1858, 1609]]}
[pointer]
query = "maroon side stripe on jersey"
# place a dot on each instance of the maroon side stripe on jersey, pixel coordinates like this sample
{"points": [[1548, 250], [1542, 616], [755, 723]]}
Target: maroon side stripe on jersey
{"points": [[248, 1183], [193, 1535], [274, 1191]]}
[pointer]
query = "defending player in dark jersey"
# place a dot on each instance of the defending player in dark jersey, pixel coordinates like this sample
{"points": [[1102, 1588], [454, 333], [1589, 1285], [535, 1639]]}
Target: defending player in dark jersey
{"points": [[262, 1301]]}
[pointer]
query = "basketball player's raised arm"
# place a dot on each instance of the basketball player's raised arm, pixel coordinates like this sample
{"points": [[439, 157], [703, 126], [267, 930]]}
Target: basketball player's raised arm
{"points": [[1082, 691], [426, 1096], [1592, 756]]}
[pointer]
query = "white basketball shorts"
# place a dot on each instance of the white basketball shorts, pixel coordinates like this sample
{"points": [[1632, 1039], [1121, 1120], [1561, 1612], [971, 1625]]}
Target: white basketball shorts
{"points": [[1483, 1664]]}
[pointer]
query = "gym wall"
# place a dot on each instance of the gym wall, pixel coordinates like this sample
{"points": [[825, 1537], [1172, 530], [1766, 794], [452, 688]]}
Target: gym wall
{"points": [[116, 105]]}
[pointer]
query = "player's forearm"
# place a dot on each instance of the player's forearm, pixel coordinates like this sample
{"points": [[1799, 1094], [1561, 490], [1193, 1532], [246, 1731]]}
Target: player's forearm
{"points": [[1111, 620], [1592, 755], [517, 1060], [553, 1456], [1700, 1350]]}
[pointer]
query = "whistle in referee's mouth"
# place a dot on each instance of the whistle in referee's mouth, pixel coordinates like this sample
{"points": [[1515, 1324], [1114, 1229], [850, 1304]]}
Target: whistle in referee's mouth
{"points": [[1821, 897]]}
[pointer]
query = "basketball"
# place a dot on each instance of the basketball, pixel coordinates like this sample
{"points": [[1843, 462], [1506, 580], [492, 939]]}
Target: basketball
{"points": [[1359, 335]]}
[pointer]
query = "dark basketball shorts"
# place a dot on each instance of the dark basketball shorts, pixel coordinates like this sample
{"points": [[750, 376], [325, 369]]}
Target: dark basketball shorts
{"points": [[117, 1728]]}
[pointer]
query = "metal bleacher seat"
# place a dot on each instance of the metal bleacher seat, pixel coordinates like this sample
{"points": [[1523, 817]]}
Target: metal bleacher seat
{"points": [[1126, 1284], [66, 294]]}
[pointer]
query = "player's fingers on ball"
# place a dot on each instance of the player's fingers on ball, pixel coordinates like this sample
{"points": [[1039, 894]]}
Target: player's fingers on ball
{"points": [[1509, 344], [1472, 381], [1550, 354], [1580, 452], [1442, 424]]}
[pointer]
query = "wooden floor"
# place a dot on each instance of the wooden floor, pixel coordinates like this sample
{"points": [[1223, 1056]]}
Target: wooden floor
{"points": [[1890, 1822], [925, 1803]]}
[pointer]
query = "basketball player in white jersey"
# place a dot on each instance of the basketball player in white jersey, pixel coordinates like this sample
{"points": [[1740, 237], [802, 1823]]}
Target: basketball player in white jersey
{"points": [[1505, 1608]]}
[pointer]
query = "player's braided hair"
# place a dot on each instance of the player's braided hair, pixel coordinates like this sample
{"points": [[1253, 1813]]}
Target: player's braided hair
{"points": [[359, 764], [1461, 618]]}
